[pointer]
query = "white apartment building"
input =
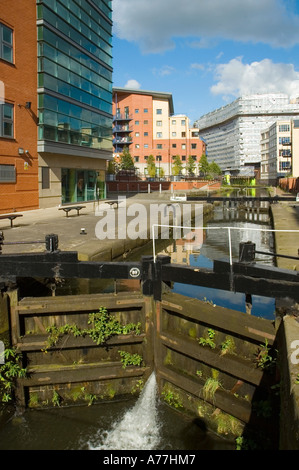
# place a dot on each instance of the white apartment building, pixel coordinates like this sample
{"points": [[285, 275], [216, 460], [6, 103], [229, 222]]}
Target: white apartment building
{"points": [[233, 133], [280, 150]]}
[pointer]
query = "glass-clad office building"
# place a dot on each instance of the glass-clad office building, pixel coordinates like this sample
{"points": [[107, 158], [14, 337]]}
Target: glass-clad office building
{"points": [[74, 96]]}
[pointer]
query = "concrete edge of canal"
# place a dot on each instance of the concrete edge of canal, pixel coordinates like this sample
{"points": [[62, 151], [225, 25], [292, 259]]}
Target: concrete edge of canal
{"points": [[286, 217]]}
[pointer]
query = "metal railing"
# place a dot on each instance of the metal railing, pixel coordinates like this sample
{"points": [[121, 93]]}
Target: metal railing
{"points": [[229, 231]]}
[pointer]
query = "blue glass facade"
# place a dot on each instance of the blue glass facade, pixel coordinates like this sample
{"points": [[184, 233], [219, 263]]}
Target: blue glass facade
{"points": [[75, 72]]}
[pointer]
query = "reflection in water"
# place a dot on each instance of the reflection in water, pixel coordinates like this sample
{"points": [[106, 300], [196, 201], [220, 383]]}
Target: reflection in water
{"points": [[202, 246]]}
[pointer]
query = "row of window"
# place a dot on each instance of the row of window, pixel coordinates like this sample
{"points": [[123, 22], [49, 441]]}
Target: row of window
{"points": [[160, 146], [160, 159]]}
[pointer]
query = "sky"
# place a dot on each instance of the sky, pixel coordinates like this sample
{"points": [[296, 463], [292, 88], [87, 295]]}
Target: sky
{"points": [[206, 53]]}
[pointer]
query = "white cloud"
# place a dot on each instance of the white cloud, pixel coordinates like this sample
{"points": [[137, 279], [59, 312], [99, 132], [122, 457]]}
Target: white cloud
{"points": [[164, 71], [236, 78], [132, 85], [155, 24]]}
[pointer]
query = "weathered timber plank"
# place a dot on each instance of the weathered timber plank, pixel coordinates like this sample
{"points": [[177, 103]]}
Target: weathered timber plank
{"points": [[32, 343], [232, 321], [79, 373], [71, 298], [222, 399], [232, 365], [77, 304]]}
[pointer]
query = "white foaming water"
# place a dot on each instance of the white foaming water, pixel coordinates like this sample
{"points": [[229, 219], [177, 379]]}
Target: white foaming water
{"points": [[139, 428]]}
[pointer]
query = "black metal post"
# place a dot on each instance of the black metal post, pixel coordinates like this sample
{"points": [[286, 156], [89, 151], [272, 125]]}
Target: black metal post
{"points": [[246, 252], [158, 281], [51, 242]]}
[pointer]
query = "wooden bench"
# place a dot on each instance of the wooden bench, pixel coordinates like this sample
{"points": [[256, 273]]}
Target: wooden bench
{"points": [[70, 208], [11, 217]]}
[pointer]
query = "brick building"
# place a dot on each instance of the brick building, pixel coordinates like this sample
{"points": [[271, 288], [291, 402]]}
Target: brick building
{"points": [[145, 123], [55, 102], [18, 108]]}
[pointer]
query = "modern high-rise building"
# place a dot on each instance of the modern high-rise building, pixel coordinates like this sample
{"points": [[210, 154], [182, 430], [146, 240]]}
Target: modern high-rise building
{"points": [[56, 77], [233, 133], [145, 123]]}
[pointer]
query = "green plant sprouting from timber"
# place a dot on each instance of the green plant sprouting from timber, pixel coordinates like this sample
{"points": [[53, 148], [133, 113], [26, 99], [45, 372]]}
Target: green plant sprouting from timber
{"points": [[209, 341], [210, 387], [129, 359], [102, 327], [264, 359], [171, 398], [9, 372]]}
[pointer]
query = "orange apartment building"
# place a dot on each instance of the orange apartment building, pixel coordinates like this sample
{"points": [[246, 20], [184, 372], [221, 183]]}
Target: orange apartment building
{"points": [[18, 108], [144, 121]]}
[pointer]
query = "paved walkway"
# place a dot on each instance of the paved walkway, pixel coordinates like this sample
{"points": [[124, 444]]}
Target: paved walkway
{"points": [[36, 224], [286, 217]]}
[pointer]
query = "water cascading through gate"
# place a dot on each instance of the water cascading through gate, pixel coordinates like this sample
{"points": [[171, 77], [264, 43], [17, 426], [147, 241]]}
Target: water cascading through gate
{"points": [[139, 428]]}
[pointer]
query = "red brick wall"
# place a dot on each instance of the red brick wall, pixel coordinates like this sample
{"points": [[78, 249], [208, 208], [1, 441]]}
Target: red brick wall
{"points": [[20, 81], [289, 184]]}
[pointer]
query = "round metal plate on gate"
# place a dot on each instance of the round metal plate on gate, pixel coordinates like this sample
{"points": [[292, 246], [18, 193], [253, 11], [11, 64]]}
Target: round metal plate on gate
{"points": [[134, 272]]}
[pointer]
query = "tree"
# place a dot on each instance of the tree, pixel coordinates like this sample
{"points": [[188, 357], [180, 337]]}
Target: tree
{"points": [[126, 161], [214, 170], [177, 165], [151, 166], [203, 165], [191, 166], [111, 167]]}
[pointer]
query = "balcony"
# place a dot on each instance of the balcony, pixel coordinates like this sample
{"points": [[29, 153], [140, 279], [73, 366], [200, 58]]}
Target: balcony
{"points": [[121, 129], [122, 117], [120, 142]]}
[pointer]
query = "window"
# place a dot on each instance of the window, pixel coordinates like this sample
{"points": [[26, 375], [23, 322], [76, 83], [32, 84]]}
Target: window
{"points": [[183, 146], [6, 43], [173, 122], [159, 123], [146, 146], [136, 134], [284, 128], [159, 146], [174, 146], [183, 134], [45, 177], [136, 111], [285, 140], [145, 110], [136, 159], [183, 158], [145, 134], [159, 111], [173, 134], [7, 174], [6, 120], [159, 135], [136, 123], [183, 122], [193, 146], [137, 146], [145, 122], [159, 158]]}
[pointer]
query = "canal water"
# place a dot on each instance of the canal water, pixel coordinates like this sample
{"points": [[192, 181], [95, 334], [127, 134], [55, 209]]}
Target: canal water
{"points": [[147, 422]]}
